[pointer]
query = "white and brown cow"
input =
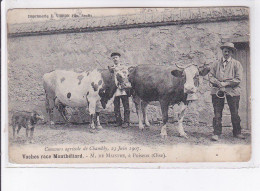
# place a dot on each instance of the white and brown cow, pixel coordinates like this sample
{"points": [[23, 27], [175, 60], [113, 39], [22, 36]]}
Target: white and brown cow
{"points": [[91, 89], [167, 85]]}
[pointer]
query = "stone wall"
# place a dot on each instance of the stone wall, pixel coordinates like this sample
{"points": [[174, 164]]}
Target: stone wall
{"points": [[32, 56]]}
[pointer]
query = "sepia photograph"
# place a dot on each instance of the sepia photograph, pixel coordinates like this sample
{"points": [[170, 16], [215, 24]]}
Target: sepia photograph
{"points": [[129, 85]]}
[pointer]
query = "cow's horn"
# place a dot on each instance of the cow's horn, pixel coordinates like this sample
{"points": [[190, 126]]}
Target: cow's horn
{"points": [[180, 67], [183, 67]]}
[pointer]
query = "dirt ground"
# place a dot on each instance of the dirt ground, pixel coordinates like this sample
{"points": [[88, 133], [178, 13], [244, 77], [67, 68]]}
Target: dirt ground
{"points": [[81, 134]]}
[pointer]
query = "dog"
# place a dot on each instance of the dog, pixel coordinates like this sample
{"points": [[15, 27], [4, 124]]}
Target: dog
{"points": [[27, 120]]}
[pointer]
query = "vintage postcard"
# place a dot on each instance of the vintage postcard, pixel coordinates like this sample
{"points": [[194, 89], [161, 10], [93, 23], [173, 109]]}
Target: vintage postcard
{"points": [[128, 85]]}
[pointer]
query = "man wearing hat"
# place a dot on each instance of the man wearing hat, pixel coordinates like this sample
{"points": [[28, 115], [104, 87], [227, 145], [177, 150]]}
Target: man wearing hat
{"points": [[120, 94], [225, 77]]}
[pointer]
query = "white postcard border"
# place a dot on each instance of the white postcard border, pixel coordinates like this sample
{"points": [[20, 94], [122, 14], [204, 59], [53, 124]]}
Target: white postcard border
{"points": [[254, 162]]}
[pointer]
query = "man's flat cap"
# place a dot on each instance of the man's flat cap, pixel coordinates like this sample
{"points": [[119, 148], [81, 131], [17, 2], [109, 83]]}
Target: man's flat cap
{"points": [[115, 54]]}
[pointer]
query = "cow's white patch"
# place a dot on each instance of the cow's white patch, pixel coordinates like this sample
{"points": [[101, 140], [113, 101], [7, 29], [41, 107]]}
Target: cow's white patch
{"points": [[70, 93], [77, 89], [190, 73]]}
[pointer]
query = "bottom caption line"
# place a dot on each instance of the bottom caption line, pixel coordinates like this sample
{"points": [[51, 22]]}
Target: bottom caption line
{"points": [[94, 152]]}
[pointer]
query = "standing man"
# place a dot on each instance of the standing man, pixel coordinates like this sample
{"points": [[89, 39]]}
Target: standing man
{"points": [[120, 94], [226, 75]]}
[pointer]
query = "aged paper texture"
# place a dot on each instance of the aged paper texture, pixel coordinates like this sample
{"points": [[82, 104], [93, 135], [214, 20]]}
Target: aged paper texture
{"points": [[129, 85]]}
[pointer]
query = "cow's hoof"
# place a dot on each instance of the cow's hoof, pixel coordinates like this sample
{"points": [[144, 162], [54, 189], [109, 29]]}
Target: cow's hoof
{"points": [[147, 124], [53, 127], [31, 141], [141, 128], [99, 127], [92, 130], [125, 125], [184, 135]]}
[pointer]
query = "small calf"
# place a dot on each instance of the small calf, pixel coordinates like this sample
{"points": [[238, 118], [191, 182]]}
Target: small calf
{"points": [[27, 120]]}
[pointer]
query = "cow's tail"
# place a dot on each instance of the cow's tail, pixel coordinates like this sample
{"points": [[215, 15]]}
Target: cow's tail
{"points": [[47, 104], [13, 121], [48, 83]]}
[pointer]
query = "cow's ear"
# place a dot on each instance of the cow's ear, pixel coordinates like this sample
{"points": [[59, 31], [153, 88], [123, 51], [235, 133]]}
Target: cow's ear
{"points": [[110, 69], [204, 71], [177, 73], [101, 92]]}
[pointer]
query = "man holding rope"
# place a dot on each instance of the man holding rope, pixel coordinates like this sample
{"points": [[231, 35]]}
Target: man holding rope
{"points": [[121, 93], [225, 77]]}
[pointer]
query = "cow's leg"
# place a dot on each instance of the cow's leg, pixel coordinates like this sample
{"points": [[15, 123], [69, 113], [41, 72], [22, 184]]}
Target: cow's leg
{"points": [[19, 128], [27, 132], [31, 134], [144, 106], [92, 121], [13, 132], [14, 127], [51, 116], [164, 107], [92, 112], [180, 120], [98, 121], [29, 128], [50, 104], [137, 102], [98, 109]]}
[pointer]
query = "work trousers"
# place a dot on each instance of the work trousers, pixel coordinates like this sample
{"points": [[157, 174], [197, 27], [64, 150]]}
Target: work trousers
{"points": [[125, 101], [218, 104]]}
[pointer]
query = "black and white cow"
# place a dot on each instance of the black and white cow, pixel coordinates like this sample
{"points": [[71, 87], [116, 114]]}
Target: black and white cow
{"points": [[91, 89], [167, 85]]}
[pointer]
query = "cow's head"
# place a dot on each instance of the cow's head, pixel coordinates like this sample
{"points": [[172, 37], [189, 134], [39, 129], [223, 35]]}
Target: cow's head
{"points": [[121, 74], [114, 78], [109, 87], [191, 74]]}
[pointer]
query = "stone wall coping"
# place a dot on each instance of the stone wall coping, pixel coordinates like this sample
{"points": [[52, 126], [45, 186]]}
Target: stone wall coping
{"points": [[173, 16]]}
